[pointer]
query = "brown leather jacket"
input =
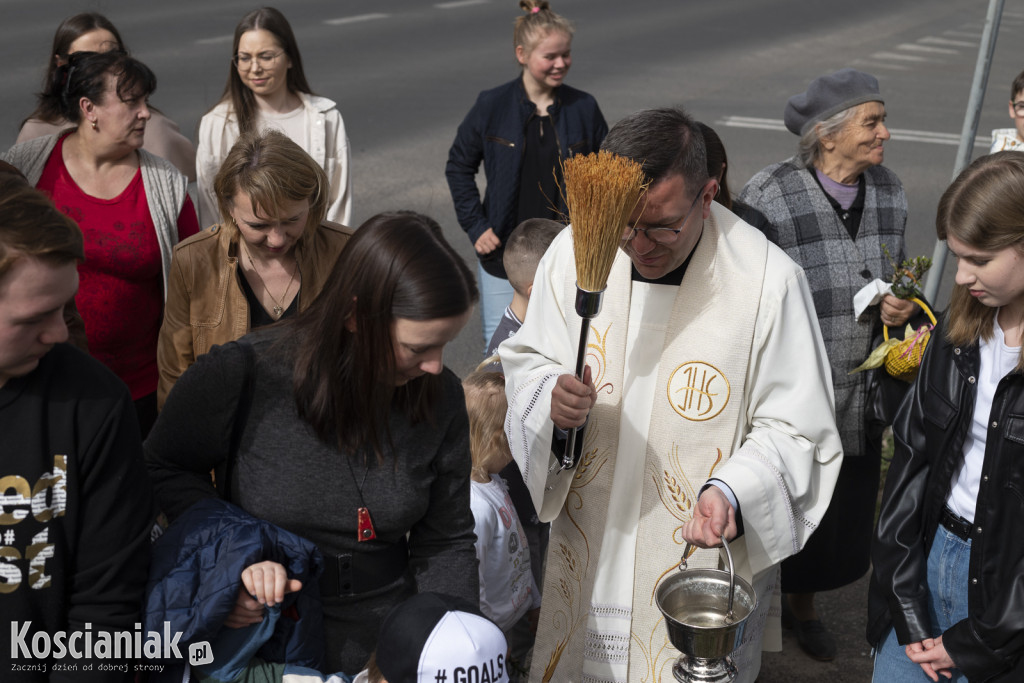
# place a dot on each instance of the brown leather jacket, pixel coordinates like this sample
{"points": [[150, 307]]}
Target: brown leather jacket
{"points": [[205, 304]]}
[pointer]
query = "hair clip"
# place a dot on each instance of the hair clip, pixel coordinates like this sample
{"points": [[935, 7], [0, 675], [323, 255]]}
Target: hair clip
{"points": [[66, 81]]}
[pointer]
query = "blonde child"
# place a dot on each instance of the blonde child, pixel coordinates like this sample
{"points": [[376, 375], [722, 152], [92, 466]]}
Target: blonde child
{"points": [[508, 592], [520, 131], [523, 251]]}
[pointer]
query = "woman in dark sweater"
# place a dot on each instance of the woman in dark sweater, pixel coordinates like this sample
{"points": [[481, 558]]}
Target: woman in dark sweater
{"points": [[343, 426]]}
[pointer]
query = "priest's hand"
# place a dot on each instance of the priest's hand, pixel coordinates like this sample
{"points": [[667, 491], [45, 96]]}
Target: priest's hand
{"points": [[571, 400], [713, 517]]}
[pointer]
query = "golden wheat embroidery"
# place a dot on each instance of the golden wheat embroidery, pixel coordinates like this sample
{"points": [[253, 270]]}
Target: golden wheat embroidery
{"points": [[678, 496], [655, 659], [572, 567], [597, 360]]}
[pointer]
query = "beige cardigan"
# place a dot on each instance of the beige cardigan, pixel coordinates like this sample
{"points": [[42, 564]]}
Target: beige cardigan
{"points": [[328, 145], [163, 139], [165, 188]]}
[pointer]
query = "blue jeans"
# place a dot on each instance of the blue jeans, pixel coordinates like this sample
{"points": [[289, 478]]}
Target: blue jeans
{"points": [[495, 296], [947, 604]]}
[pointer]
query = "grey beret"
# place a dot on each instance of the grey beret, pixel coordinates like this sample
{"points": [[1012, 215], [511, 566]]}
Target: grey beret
{"points": [[829, 95]]}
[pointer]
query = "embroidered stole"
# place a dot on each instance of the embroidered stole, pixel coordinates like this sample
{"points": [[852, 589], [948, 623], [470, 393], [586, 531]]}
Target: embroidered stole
{"points": [[695, 424]]}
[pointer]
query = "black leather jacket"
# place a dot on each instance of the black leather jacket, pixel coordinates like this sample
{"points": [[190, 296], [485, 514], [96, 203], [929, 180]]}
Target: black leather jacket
{"points": [[929, 432]]}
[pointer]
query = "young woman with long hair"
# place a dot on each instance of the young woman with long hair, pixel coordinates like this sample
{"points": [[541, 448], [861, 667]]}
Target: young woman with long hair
{"points": [[344, 427], [267, 87], [947, 593]]}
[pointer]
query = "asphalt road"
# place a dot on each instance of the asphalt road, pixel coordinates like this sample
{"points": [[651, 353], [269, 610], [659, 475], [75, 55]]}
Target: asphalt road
{"points": [[405, 72]]}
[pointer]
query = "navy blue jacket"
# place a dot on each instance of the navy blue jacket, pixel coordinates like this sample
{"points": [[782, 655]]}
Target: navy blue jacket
{"points": [[494, 132], [196, 572]]}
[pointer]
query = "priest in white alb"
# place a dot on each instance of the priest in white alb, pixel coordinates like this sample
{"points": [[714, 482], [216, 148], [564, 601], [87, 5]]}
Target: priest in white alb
{"points": [[706, 409]]}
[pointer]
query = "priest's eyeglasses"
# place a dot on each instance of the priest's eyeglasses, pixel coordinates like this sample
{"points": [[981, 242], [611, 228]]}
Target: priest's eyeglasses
{"points": [[662, 235]]}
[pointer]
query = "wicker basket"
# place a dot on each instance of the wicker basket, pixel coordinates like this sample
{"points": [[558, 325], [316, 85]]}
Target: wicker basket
{"points": [[903, 360]]}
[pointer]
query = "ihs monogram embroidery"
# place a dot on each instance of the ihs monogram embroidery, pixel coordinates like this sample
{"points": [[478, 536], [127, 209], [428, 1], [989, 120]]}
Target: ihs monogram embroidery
{"points": [[698, 391]]}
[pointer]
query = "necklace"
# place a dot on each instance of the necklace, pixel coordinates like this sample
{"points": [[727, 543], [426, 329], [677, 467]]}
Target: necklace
{"points": [[364, 525], [278, 308]]}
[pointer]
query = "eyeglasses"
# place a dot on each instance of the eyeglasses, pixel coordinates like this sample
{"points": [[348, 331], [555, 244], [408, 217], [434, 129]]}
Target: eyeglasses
{"points": [[243, 62], [662, 235], [1018, 108]]}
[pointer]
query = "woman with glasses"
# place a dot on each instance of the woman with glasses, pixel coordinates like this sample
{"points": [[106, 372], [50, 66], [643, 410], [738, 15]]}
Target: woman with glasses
{"points": [[93, 32], [520, 131], [267, 88], [836, 210]]}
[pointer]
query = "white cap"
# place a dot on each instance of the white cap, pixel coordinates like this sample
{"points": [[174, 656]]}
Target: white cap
{"points": [[425, 640]]}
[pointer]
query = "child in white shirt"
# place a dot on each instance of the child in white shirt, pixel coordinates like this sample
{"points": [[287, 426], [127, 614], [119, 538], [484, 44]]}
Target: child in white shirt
{"points": [[1012, 138], [508, 591]]}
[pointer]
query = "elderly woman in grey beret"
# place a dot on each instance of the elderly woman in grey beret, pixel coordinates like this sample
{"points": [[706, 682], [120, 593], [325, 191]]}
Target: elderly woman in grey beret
{"points": [[832, 208]]}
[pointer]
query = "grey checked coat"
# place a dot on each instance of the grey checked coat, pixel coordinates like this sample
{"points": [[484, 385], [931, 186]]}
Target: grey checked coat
{"points": [[802, 221]]}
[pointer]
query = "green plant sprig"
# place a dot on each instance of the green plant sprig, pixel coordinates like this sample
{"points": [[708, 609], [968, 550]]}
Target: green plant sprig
{"points": [[906, 277]]}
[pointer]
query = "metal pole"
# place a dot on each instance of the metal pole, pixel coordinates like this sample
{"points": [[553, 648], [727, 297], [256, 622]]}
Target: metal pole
{"points": [[970, 129]]}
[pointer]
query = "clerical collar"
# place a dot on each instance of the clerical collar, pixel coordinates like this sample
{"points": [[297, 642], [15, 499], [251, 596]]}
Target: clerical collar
{"points": [[673, 278]]}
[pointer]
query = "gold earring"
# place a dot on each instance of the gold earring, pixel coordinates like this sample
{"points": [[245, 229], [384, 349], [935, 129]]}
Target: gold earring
{"points": [[94, 127]]}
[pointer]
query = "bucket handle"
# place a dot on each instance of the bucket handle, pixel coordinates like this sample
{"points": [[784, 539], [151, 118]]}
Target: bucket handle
{"points": [[729, 617]]}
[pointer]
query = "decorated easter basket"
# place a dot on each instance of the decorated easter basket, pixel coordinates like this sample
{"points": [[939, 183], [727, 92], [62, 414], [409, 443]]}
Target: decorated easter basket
{"points": [[903, 359]]}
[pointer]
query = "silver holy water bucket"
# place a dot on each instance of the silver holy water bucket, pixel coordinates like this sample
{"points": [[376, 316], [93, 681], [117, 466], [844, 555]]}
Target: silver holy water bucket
{"points": [[705, 613]]}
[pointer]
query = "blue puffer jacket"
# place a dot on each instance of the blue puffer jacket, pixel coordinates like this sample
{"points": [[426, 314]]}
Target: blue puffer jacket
{"points": [[196, 571], [494, 132]]}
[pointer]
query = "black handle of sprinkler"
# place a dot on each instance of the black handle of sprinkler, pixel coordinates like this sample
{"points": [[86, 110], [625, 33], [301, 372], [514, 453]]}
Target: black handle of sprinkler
{"points": [[588, 305]]}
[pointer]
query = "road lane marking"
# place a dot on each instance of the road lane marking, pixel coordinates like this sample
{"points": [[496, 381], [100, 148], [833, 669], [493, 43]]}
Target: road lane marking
{"points": [[354, 19], [881, 65], [913, 47], [898, 134], [895, 55], [460, 3], [216, 40], [934, 40]]}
